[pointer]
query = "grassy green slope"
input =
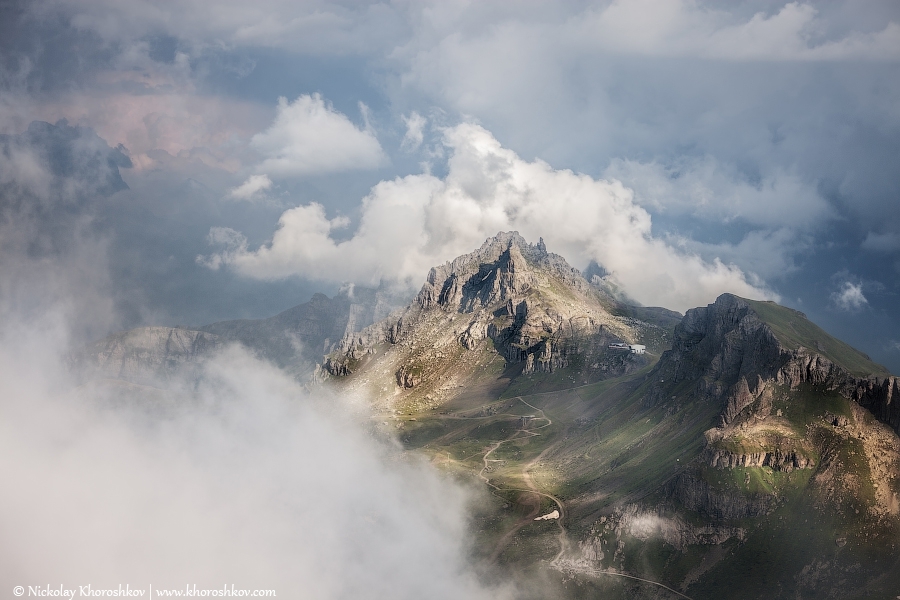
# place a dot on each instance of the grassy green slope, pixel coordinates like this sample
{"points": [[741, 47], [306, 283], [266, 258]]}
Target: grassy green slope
{"points": [[598, 447], [793, 330]]}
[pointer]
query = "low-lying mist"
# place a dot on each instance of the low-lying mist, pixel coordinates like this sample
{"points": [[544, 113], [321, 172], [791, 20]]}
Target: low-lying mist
{"points": [[232, 475], [227, 473]]}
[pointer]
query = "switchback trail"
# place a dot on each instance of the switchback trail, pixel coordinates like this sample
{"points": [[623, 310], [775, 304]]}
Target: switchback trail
{"points": [[529, 483], [557, 562]]}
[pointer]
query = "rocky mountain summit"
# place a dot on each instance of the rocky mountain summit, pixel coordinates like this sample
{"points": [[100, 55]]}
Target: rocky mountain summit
{"points": [[738, 351], [509, 304]]}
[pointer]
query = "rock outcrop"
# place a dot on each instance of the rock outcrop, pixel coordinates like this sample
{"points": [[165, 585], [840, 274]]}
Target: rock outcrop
{"points": [[776, 459], [694, 493], [407, 378], [735, 356], [517, 299], [146, 355]]}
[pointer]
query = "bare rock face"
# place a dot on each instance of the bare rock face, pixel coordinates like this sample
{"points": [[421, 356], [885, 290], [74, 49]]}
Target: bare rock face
{"points": [[696, 494], [508, 297], [337, 368], [502, 268], [735, 357], [776, 459], [528, 326], [147, 354], [881, 395], [407, 378], [726, 349]]}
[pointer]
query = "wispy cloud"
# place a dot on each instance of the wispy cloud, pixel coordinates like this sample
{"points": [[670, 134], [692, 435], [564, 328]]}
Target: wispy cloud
{"points": [[415, 127], [252, 188], [707, 190], [684, 28]]}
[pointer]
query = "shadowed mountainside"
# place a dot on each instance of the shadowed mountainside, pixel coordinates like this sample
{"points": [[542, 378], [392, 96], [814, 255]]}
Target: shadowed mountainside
{"points": [[747, 454]]}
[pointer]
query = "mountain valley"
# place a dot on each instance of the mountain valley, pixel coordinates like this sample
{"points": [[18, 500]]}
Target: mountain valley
{"points": [[737, 451]]}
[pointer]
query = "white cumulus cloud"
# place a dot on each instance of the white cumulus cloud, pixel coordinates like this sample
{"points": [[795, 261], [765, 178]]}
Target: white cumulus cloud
{"points": [[309, 137], [251, 188], [412, 223], [850, 297]]}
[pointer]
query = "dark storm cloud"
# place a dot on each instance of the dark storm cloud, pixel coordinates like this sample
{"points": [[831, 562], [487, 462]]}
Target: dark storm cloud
{"points": [[768, 129], [54, 179]]}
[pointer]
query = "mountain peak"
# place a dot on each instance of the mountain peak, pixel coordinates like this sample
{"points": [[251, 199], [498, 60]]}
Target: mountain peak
{"points": [[509, 300], [739, 351], [490, 251], [503, 267]]}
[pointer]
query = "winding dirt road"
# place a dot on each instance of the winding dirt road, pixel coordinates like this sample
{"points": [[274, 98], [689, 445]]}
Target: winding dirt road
{"points": [[557, 562], [530, 488]]}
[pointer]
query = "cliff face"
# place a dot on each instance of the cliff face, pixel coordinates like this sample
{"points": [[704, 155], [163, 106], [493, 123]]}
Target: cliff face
{"points": [[146, 355], [508, 298], [735, 357], [726, 349], [881, 396], [696, 494], [759, 444]]}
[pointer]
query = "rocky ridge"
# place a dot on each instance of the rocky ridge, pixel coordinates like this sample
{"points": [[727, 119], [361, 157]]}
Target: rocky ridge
{"points": [[512, 299], [146, 355], [759, 439], [294, 339], [730, 356], [737, 360]]}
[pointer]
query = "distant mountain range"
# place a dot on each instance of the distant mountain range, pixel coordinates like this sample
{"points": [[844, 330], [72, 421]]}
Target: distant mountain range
{"points": [[295, 339], [746, 454]]}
